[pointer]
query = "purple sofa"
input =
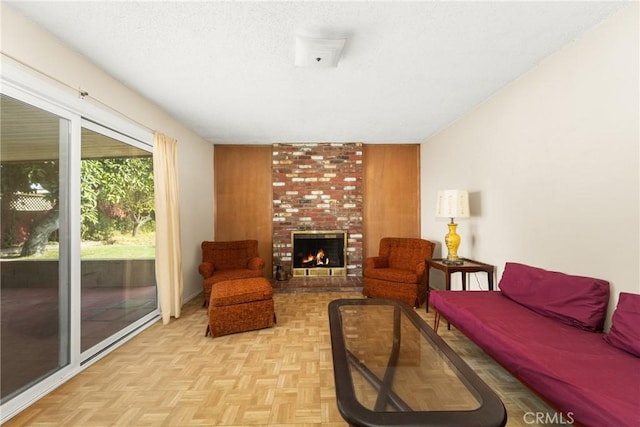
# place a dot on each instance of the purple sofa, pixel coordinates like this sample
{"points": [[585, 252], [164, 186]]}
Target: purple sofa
{"points": [[546, 329]]}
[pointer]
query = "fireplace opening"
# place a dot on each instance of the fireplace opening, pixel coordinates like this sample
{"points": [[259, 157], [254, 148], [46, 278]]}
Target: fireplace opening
{"points": [[319, 253]]}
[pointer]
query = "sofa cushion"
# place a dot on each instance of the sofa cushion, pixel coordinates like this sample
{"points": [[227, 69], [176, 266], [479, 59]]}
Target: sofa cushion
{"points": [[392, 275], [575, 300], [222, 275], [405, 253], [625, 324], [573, 368], [240, 291], [234, 258]]}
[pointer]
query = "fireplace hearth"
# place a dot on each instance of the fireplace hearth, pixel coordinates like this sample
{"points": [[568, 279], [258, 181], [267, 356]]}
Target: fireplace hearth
{"points": [[319, 253]]}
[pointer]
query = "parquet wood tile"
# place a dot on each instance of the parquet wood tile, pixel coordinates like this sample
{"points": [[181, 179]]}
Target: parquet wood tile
{"points": [[283, 376]]}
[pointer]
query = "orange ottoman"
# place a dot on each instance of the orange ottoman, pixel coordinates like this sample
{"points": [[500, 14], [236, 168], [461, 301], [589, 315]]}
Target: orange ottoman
{"points": [[240, 305]]}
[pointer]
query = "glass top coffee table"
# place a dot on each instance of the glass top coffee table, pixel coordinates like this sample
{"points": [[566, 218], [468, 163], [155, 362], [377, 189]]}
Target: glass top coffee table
{"points": [[392, 369]]}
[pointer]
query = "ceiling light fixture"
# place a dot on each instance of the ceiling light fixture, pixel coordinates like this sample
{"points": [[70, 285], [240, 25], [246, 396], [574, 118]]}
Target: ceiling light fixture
{"points": [[316, 52]]}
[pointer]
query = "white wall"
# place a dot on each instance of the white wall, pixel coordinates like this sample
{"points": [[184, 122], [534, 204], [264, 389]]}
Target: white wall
{"points": [[552, 163], [40, 51]]}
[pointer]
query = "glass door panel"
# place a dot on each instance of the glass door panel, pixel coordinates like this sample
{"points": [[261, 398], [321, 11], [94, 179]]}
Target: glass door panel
{"points": [[117, 251], [34, 295]]}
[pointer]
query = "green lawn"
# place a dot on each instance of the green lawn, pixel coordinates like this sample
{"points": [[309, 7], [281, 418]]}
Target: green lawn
{"points": [[123, 246], [118, 251]]}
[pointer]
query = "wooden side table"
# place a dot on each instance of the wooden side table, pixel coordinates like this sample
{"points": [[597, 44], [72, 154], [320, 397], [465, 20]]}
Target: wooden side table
{"points": [[467, 266]]}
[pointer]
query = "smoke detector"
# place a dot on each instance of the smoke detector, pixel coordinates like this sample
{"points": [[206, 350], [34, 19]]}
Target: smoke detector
{"points": [[315, 52]]}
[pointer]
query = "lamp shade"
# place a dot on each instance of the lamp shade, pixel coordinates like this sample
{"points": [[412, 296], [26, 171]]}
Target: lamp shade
{"points": [[453, 204]]}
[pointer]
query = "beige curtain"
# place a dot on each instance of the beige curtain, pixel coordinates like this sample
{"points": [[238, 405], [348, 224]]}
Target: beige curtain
{"points": [[168, 248]]}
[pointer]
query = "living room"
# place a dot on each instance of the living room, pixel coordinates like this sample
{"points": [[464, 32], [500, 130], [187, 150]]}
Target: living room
{"points": [[551, 160]]}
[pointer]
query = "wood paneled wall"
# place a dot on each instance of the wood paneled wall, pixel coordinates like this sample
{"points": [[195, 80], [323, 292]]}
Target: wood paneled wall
{"points": [[243, 195], [391, 193], [242, 182]]}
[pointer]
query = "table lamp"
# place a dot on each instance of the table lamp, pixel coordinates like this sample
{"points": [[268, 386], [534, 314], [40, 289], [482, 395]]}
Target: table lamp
{"points": [[452, 204]]}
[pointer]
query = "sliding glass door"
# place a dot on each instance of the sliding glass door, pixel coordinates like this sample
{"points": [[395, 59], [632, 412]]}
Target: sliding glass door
{"points": [[35, 292], [77, 240], [118, 234]]}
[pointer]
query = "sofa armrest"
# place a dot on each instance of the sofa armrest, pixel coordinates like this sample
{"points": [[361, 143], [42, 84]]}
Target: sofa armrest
{"points": [[255, 263], [377, 262], [206, 269]]}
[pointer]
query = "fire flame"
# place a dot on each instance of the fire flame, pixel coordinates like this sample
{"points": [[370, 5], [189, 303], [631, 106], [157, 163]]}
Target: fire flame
{"points": [[319, 258]]}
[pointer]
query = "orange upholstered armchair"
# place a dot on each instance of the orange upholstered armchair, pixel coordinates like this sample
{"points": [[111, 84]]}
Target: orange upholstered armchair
{"points": [[228, 261], [399, 271]]}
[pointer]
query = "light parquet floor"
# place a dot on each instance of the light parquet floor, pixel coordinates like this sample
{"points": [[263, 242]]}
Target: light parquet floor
{"points": [[175, 376]]}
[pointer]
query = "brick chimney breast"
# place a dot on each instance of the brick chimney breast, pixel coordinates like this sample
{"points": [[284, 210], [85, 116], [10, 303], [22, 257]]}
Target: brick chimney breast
{"points": [[317, 186]]}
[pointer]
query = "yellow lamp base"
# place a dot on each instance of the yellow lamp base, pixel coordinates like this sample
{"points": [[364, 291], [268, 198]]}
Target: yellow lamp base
{"points": [[452, 240]]}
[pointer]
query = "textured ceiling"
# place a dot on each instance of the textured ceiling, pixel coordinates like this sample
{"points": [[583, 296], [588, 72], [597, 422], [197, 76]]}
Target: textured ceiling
{"points": [[226, 69]]}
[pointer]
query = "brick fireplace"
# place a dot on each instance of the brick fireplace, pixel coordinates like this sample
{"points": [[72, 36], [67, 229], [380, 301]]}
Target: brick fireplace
{"points": [[317, 187]]}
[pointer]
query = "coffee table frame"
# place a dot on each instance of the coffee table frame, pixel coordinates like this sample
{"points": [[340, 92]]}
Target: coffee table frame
{"points": [[491, 411]]}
